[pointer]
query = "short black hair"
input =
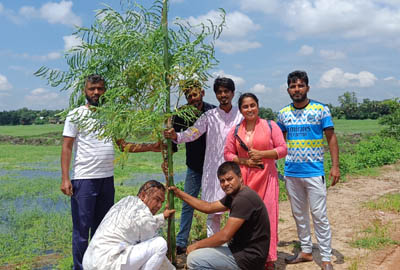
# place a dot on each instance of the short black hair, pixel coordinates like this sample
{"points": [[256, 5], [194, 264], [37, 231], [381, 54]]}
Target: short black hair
{"points": [[246, 95], [149, 185], [297, 75], [189, 84], [94, 78], [225, 82], [228, 166]]}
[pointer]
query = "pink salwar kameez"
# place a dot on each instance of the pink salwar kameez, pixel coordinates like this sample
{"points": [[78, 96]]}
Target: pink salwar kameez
{"points": [[263, 181]]}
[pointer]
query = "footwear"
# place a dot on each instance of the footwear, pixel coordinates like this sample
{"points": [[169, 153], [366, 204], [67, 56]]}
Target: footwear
{"points": [[326, 266], [180, 250], [270, 266], [298, 258]]}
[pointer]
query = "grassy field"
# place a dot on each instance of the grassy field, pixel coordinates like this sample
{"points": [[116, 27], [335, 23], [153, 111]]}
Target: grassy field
{"points": [[343, 126], [35, 220], [30, 130]]}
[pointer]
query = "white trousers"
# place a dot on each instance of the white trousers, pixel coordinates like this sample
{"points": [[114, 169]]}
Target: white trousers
{"points": [[307, 194], [213, 224], [148, 255]]}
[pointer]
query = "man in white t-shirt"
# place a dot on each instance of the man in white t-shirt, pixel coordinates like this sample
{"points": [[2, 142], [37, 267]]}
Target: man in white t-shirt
{"points": [[92, 185]]}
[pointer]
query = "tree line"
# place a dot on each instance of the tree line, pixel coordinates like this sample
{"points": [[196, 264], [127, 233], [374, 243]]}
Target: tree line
{"points": [[351, 108], [26, 116]]}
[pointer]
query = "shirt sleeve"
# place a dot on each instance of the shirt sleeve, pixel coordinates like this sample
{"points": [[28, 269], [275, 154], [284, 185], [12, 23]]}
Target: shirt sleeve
{"points": [[326, 118], [70, 128], [230, 150], [280, 122], [194, 132], [241, 208], [278, 140]]}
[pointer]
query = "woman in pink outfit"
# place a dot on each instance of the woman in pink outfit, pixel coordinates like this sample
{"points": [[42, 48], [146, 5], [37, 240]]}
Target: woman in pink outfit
{"points": [[255, 145]]}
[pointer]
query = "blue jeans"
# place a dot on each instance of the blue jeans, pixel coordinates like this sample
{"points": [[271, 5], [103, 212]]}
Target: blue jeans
{"points": [[217, 258], [90, 202], [192, 187]]}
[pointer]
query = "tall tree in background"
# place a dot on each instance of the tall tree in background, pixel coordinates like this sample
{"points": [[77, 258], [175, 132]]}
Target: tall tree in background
{"points": [[143, 61]]}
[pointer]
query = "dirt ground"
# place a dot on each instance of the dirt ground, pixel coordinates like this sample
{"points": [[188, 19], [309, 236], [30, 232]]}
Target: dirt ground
{"points": [[347, 217]]}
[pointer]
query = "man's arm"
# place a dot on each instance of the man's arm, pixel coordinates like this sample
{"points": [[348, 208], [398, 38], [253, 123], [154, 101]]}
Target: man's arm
{"points": [[66, 153], [334, 150], [232, 226], [202, 206], [139, 147]]}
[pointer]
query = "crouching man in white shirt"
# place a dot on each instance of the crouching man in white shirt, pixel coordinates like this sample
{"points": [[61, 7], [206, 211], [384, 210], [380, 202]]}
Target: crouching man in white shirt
{"points": [[127, 237]]}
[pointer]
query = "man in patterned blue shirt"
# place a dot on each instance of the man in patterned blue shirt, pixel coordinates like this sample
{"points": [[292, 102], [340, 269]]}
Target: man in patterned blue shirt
{"points": [[303, 124]]}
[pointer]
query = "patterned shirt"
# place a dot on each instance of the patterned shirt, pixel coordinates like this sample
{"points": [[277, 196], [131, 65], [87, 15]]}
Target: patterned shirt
{"points": [[304, 137]]}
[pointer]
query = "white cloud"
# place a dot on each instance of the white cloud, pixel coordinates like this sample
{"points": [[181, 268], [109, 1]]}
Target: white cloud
{"points": [[1, 8], [239, 81], [332, 55], [71, 41], [4, 84], [236, 36], [392, 79], [266, 6], [43, 98], [338, 78], [306, 50], [260, 88], [232, 46], [53, 13], [358, 18]]}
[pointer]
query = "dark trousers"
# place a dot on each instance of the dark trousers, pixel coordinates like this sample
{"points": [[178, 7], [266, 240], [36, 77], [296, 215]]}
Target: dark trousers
{"points": [[90, 202]]}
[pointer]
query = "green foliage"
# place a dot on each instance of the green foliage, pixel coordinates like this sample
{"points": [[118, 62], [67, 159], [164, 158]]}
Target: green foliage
{"points": [[373, 152], [392, 122], [266, 113], [127, 49], [25, 116], [350, 108]]}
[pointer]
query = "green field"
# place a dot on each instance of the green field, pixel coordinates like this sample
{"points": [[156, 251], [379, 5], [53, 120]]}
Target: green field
{"points": [[30, 130], [370, 126], [35, 220]]}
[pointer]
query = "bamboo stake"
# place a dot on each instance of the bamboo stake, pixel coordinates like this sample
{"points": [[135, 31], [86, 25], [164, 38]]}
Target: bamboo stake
{"points": [[171, 221]]}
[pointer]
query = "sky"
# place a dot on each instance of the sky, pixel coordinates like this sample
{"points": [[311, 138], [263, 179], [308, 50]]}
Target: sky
{"points": [[343, 45]]}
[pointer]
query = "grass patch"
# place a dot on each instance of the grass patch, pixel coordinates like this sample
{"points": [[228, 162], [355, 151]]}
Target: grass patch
{"points": [[375, 236], [388, 202], [30, 130], [343, 126]]}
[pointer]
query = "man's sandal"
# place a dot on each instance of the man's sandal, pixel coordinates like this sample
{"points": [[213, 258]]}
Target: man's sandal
{"points": [[297, 258]]}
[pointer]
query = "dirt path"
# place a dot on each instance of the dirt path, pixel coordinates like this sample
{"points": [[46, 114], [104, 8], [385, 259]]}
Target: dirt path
{"points": [[347, 218]]}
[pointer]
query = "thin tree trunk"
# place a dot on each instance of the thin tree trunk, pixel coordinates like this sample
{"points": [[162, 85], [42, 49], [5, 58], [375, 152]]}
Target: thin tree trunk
{"points": [[171, 221]]}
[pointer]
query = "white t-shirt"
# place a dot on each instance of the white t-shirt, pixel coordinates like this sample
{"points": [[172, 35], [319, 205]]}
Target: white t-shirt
{"points": [[93, 157]]}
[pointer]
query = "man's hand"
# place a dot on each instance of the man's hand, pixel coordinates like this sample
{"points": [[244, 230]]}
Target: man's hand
{"points": [[334, 175], [168, 212], [191, 248], [66, 187], [175, 190], [170, 134]]}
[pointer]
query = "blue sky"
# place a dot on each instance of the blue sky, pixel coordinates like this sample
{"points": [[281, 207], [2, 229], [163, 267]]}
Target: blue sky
{"points": [[344, 45]]}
